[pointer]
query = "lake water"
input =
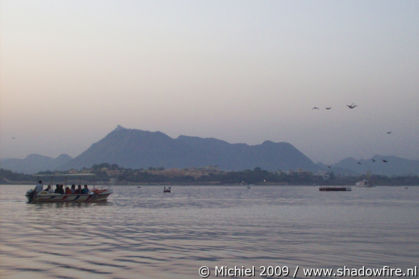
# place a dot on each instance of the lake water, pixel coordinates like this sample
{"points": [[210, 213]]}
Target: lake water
{"points": [[144, 233]]}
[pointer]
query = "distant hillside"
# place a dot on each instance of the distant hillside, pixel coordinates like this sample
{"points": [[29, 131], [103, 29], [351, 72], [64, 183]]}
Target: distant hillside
{"points": [[34, 163], [131, 148], [7, 177], [336, 170], [375, 165], [142, 149]]}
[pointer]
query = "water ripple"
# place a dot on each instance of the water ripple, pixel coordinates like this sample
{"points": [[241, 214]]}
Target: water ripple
{"points": [[143, 233]]}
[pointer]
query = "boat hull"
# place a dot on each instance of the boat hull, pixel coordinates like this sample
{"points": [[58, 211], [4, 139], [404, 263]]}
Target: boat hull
{"points": [[80, 198], [334, 189]]}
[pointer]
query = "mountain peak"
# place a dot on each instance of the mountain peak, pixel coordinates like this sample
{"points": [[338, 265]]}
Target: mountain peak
{"points": [[119, 128], [135, 148]]}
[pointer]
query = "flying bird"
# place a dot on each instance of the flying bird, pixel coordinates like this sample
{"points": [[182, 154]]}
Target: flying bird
{"points": [[351, 106], [315, 108], [359, 163], [385, 161], [388, 132], [373, 160], [328, 108]]}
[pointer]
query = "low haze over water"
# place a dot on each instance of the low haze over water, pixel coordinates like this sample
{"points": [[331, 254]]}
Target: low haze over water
{"points": [[144, 233]]}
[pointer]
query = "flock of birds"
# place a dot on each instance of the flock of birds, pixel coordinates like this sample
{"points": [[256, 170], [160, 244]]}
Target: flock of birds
{"points": [[352, 106]]}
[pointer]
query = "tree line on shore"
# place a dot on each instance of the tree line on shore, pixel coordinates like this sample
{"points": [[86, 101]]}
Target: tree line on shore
{"points": [[112, 173]]}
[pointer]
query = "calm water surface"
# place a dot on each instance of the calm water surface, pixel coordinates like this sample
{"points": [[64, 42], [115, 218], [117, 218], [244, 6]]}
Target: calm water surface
{"points": [[144, 233]]}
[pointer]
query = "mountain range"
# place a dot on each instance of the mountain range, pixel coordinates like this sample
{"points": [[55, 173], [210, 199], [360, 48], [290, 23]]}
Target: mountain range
{"points": [[142, 149], [34, 163], [132, 148]]}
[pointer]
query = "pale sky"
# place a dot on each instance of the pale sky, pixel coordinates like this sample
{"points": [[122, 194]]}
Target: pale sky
{"points": [[241, 71]]}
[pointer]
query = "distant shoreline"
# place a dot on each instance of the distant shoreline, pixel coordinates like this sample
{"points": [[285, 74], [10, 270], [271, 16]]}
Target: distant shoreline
{"points": [[107, 174], [196, 184]]}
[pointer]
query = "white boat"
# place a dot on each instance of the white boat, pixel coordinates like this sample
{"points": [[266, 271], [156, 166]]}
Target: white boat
{"points": [[44, 196], [364, 183]]}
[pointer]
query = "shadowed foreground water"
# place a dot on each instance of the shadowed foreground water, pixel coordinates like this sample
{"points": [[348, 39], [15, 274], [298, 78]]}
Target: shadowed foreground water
{"points": [[144, 233]]}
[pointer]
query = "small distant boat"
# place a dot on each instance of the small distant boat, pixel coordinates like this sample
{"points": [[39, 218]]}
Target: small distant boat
{"points": [[167, 189], [334, 189], [364, 183]]}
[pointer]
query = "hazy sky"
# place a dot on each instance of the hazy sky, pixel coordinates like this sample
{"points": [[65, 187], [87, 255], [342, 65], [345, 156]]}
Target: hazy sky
{"points": [[241, 71]]}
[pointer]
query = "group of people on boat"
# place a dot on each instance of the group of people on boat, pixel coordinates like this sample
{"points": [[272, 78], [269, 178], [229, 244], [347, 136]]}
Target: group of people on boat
{"points": [[63, 193], [59, 189]]}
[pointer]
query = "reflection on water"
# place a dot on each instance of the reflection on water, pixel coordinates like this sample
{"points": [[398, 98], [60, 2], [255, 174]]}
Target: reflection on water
{"points": [[69, 204], [144, 233]]}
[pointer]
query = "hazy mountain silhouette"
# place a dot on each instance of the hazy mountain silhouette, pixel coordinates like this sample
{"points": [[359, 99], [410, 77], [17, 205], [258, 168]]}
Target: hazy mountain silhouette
{"points": [[142, 149], [131, 148], [393, 166], [34, 163]]}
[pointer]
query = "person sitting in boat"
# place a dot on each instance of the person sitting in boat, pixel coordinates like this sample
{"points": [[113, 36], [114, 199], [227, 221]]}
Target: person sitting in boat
{"points": [[39, 187], [61, 189], [68, 190], [73, 189], [49, 189], [85, 190], [57, 189], [78, 190]]}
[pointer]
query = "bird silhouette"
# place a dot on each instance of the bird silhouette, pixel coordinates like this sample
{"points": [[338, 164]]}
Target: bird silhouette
{"points": [[315, 108], [373, 160], [385, 161], [328, 108], [388, 132], [352, 106]]}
